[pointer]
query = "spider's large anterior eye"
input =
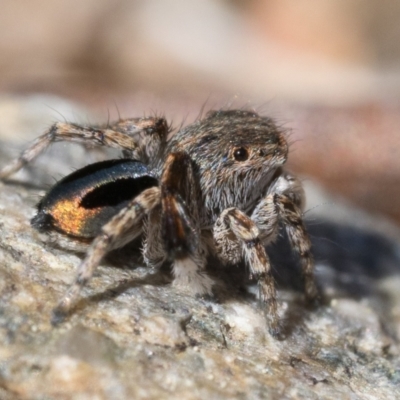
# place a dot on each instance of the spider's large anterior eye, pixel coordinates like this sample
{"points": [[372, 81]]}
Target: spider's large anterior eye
{"points": [[241, 154]]}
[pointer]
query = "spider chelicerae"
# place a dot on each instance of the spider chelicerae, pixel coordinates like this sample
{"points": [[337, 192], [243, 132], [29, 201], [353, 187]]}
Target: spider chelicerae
{"points": [[215, 187]]}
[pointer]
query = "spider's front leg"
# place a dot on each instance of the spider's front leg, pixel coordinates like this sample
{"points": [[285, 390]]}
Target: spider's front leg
{"points": [[284, 203], [121, 229], [135, 137], [235, 233], [291, 216], [180, 228]]}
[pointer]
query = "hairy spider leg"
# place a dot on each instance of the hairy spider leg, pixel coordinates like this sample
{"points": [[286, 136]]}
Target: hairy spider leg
{"points": [[121, 229], [130, 136], [245, 231], [291, 214], [180, 224]]}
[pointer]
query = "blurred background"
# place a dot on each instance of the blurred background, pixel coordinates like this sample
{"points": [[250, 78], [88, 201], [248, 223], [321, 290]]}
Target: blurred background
{"points": [[328, 71]]}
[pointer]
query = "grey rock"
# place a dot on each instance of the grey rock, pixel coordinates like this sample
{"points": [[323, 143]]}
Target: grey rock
{"points": [[134, 336]]}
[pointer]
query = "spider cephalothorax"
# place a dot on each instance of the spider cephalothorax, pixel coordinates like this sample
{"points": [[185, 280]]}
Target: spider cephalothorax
{"points": [[234, 153], [216, 187]]}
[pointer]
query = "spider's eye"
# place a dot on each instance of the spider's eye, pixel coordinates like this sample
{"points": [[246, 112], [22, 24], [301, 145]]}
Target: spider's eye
{"points": [[241, 154]]}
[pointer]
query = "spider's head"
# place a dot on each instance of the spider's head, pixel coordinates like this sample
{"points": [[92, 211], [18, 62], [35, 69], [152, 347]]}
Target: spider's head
{"points": [[240, 142], [237, 152], [255, 148]]}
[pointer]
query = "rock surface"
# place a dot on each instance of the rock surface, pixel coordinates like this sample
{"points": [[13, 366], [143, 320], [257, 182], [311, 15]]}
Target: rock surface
{"points": [[134, 336]]}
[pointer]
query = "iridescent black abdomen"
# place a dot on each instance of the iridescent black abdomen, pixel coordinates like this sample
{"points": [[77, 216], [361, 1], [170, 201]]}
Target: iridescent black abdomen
{"points": [[82, 202]]}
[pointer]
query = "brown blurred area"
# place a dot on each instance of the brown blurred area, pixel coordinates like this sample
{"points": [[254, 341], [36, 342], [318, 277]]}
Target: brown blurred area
{"points": [[328, 71]]}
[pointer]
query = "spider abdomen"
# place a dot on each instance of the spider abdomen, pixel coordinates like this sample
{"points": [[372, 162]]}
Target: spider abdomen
{"points": [[82, 202]]}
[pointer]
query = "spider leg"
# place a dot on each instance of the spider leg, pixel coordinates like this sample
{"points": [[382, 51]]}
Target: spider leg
{"points": [[180, 224], [292, 218], [121, 229], [232, 228], [104, 136], [150, 133], [154, 252], [284, 203]]}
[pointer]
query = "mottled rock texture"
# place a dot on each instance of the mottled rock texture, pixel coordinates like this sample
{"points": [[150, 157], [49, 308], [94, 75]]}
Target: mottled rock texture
{"points": [[133, 336]]}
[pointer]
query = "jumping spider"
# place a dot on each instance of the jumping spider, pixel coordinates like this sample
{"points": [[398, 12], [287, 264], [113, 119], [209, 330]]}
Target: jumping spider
{"points": [[216, 187]]}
